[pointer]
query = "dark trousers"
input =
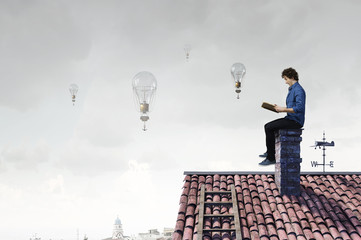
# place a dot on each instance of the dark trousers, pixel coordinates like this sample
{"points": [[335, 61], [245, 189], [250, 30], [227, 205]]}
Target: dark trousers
{"points": [[270, 129]]}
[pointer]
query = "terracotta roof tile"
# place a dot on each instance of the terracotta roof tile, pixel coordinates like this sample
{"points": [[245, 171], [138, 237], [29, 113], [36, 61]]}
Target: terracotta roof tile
{"points": [[329, 207]]}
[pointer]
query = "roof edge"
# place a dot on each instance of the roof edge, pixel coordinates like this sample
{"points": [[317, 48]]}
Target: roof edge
{"points": [[263, 172]]}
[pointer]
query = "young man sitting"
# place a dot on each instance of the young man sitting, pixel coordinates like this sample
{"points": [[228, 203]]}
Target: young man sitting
{"points": [[295, 109]]}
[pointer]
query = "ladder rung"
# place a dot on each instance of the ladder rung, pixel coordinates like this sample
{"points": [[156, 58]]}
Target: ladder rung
{"points": [[218, 230], [217, 203], [217, 192], [218, 215]]}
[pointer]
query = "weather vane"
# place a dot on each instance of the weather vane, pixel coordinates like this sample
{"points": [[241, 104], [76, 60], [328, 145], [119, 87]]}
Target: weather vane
{"points": [[323, 144]]}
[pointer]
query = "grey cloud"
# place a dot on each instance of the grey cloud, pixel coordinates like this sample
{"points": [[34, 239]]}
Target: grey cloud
{"points": [[106, 117], [25, 157], [39, 42], [88, 160], [159, 160]]}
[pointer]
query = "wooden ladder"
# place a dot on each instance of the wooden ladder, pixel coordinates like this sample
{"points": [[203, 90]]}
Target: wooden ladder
{"points": [[202, 215]]}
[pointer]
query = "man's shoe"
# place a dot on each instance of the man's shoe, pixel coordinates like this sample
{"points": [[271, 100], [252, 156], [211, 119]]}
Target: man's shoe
{"points": [[267, 162], [264, 155]]}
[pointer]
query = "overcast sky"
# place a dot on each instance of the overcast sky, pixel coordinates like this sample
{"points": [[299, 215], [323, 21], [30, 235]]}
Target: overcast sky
{"points": [[65, 167]]}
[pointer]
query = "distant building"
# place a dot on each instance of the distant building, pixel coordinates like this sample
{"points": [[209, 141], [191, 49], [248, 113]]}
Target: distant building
{"points": [[167, 233], [117, 231], [154, 234]]}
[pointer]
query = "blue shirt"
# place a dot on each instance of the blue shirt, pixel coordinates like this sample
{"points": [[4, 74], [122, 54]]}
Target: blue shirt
{"points": [[296, 99]]}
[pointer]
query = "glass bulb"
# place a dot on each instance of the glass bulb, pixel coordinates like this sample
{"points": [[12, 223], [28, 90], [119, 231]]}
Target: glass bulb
{"points": [[238, 70], [144, 88], [73, 88]]}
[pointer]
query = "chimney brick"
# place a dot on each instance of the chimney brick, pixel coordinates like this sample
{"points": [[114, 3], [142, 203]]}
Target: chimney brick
{"points": [[287, 170]]}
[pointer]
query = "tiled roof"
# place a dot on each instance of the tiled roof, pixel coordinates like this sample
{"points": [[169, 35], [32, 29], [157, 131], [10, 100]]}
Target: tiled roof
{"points": [[329, 207]]}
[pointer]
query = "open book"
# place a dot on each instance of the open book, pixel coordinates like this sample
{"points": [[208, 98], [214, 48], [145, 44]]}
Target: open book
{"points": [[269, 106]]}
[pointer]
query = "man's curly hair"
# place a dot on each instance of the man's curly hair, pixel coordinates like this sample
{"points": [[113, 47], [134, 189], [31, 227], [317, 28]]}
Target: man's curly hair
{"points": [[290, 73]]}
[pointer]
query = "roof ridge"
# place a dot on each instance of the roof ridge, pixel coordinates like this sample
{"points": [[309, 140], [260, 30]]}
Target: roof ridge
{"points": [[199, 173]]}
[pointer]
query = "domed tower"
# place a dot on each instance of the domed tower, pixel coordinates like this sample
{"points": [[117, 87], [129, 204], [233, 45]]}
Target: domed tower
{"points": [[118, 230]]}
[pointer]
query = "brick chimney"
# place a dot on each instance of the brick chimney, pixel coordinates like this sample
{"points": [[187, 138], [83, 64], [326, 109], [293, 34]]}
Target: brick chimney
{"points": [[287, 173]]}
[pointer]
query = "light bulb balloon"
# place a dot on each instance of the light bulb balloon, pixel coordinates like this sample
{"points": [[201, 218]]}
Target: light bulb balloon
{"points": [[73, 88], [187, 49], [238, 70], [144, 89]]}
